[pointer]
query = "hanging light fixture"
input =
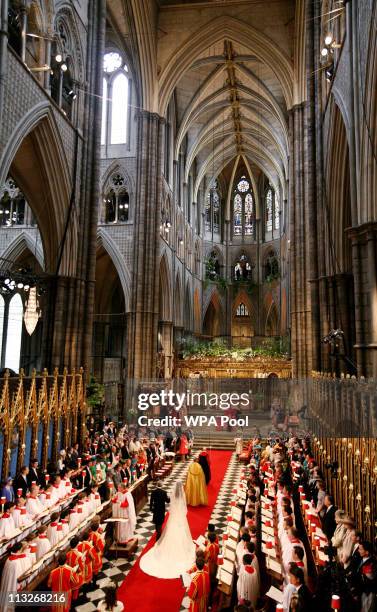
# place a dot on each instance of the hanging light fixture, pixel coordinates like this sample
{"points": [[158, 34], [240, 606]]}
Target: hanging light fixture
{"points": [[32, 311]]}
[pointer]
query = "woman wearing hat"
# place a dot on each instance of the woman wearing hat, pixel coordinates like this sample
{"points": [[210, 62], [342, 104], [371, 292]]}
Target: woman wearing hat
{"points": [[346, 550], [340, 531]]}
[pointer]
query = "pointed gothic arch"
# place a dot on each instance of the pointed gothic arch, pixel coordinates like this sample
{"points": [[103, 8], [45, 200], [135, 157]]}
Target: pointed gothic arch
{"points": [[22, 242], [35, 157], [213, 319], [109, 245], [272, 321]]}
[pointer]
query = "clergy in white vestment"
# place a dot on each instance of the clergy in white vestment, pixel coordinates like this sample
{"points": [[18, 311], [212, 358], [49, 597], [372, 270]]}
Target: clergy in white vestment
{"points": [[20, 515], [124, 508], [34, 506], [7, 526], [241, 550], [250, 549], [298, 557], [288, 547], [42, 543], [288, 591], [247, 584]]}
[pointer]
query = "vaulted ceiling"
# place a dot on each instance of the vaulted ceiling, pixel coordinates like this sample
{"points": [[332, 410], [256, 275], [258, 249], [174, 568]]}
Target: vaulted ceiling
{"points": [[229, 68], [229, 103]]}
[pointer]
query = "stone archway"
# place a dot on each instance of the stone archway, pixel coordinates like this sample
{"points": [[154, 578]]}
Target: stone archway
{"points": [[213, 318], [242, 323]]}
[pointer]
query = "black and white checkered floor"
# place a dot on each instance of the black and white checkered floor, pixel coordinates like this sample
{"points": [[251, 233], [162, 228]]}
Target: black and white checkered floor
{"points": [[116, 570]]}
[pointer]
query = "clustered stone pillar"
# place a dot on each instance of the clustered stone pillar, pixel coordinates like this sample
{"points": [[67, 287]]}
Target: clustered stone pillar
{"points": [[364, 260], [68, 315], [144, 312], [300, 296]]}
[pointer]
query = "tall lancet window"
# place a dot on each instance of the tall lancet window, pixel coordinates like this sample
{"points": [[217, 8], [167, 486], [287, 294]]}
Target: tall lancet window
{"points": [[277, 211], [115, 100], [243, 209], [213, 209], [269, 207], [272, 209]]}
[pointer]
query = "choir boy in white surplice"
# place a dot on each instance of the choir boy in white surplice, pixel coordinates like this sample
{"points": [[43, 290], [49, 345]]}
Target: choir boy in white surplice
{"points": [[20, 515], [47, 497], [7, 526], [34, 506], [247, 584], [16, 565], [124, 508], [42, 543], [94, 499]]}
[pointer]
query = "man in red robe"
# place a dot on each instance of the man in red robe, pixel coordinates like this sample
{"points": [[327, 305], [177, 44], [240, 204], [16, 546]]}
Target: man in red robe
{"points": [[198, 591], [74, 559], [87, 548], [211, 554], [62, 580], [96, 540], [183, 447]]}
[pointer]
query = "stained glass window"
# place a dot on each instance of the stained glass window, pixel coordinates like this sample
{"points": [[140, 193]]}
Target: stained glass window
{"points": [[249, 206], [243, 209], [242, 310], [208, 212], [213, 209], [243, 185], [111, 62], [115, 96], [237, 215], [216, 212], [277, 211], [268, 202]]}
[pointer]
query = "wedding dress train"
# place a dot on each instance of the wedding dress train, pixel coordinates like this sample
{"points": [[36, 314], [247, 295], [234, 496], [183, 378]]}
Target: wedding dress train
{"points": [[174, 553]]}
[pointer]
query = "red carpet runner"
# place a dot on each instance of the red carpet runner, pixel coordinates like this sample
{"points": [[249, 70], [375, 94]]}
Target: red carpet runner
{"points": [[148, 594]]}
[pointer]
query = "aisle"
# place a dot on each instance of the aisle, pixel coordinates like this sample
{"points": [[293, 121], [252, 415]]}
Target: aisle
{"points": [[146, 593]]}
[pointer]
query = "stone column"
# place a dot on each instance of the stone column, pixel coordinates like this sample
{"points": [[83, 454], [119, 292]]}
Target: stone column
{"points": [[301, 340], [364, 256], [68, 316], [3, 53], [143, 316]]}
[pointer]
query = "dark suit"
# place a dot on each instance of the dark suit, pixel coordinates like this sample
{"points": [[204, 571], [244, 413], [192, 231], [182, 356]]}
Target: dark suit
{"points": [[328, 522], [21, 483], [157, 505], [304, 599], [32, 476]]}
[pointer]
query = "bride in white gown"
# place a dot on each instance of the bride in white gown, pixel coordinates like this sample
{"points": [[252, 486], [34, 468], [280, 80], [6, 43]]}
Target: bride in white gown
{"points": [[174, 552]]}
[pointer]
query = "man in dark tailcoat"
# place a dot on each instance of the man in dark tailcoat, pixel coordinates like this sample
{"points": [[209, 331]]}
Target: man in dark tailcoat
{"points": [[158, 502]]}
